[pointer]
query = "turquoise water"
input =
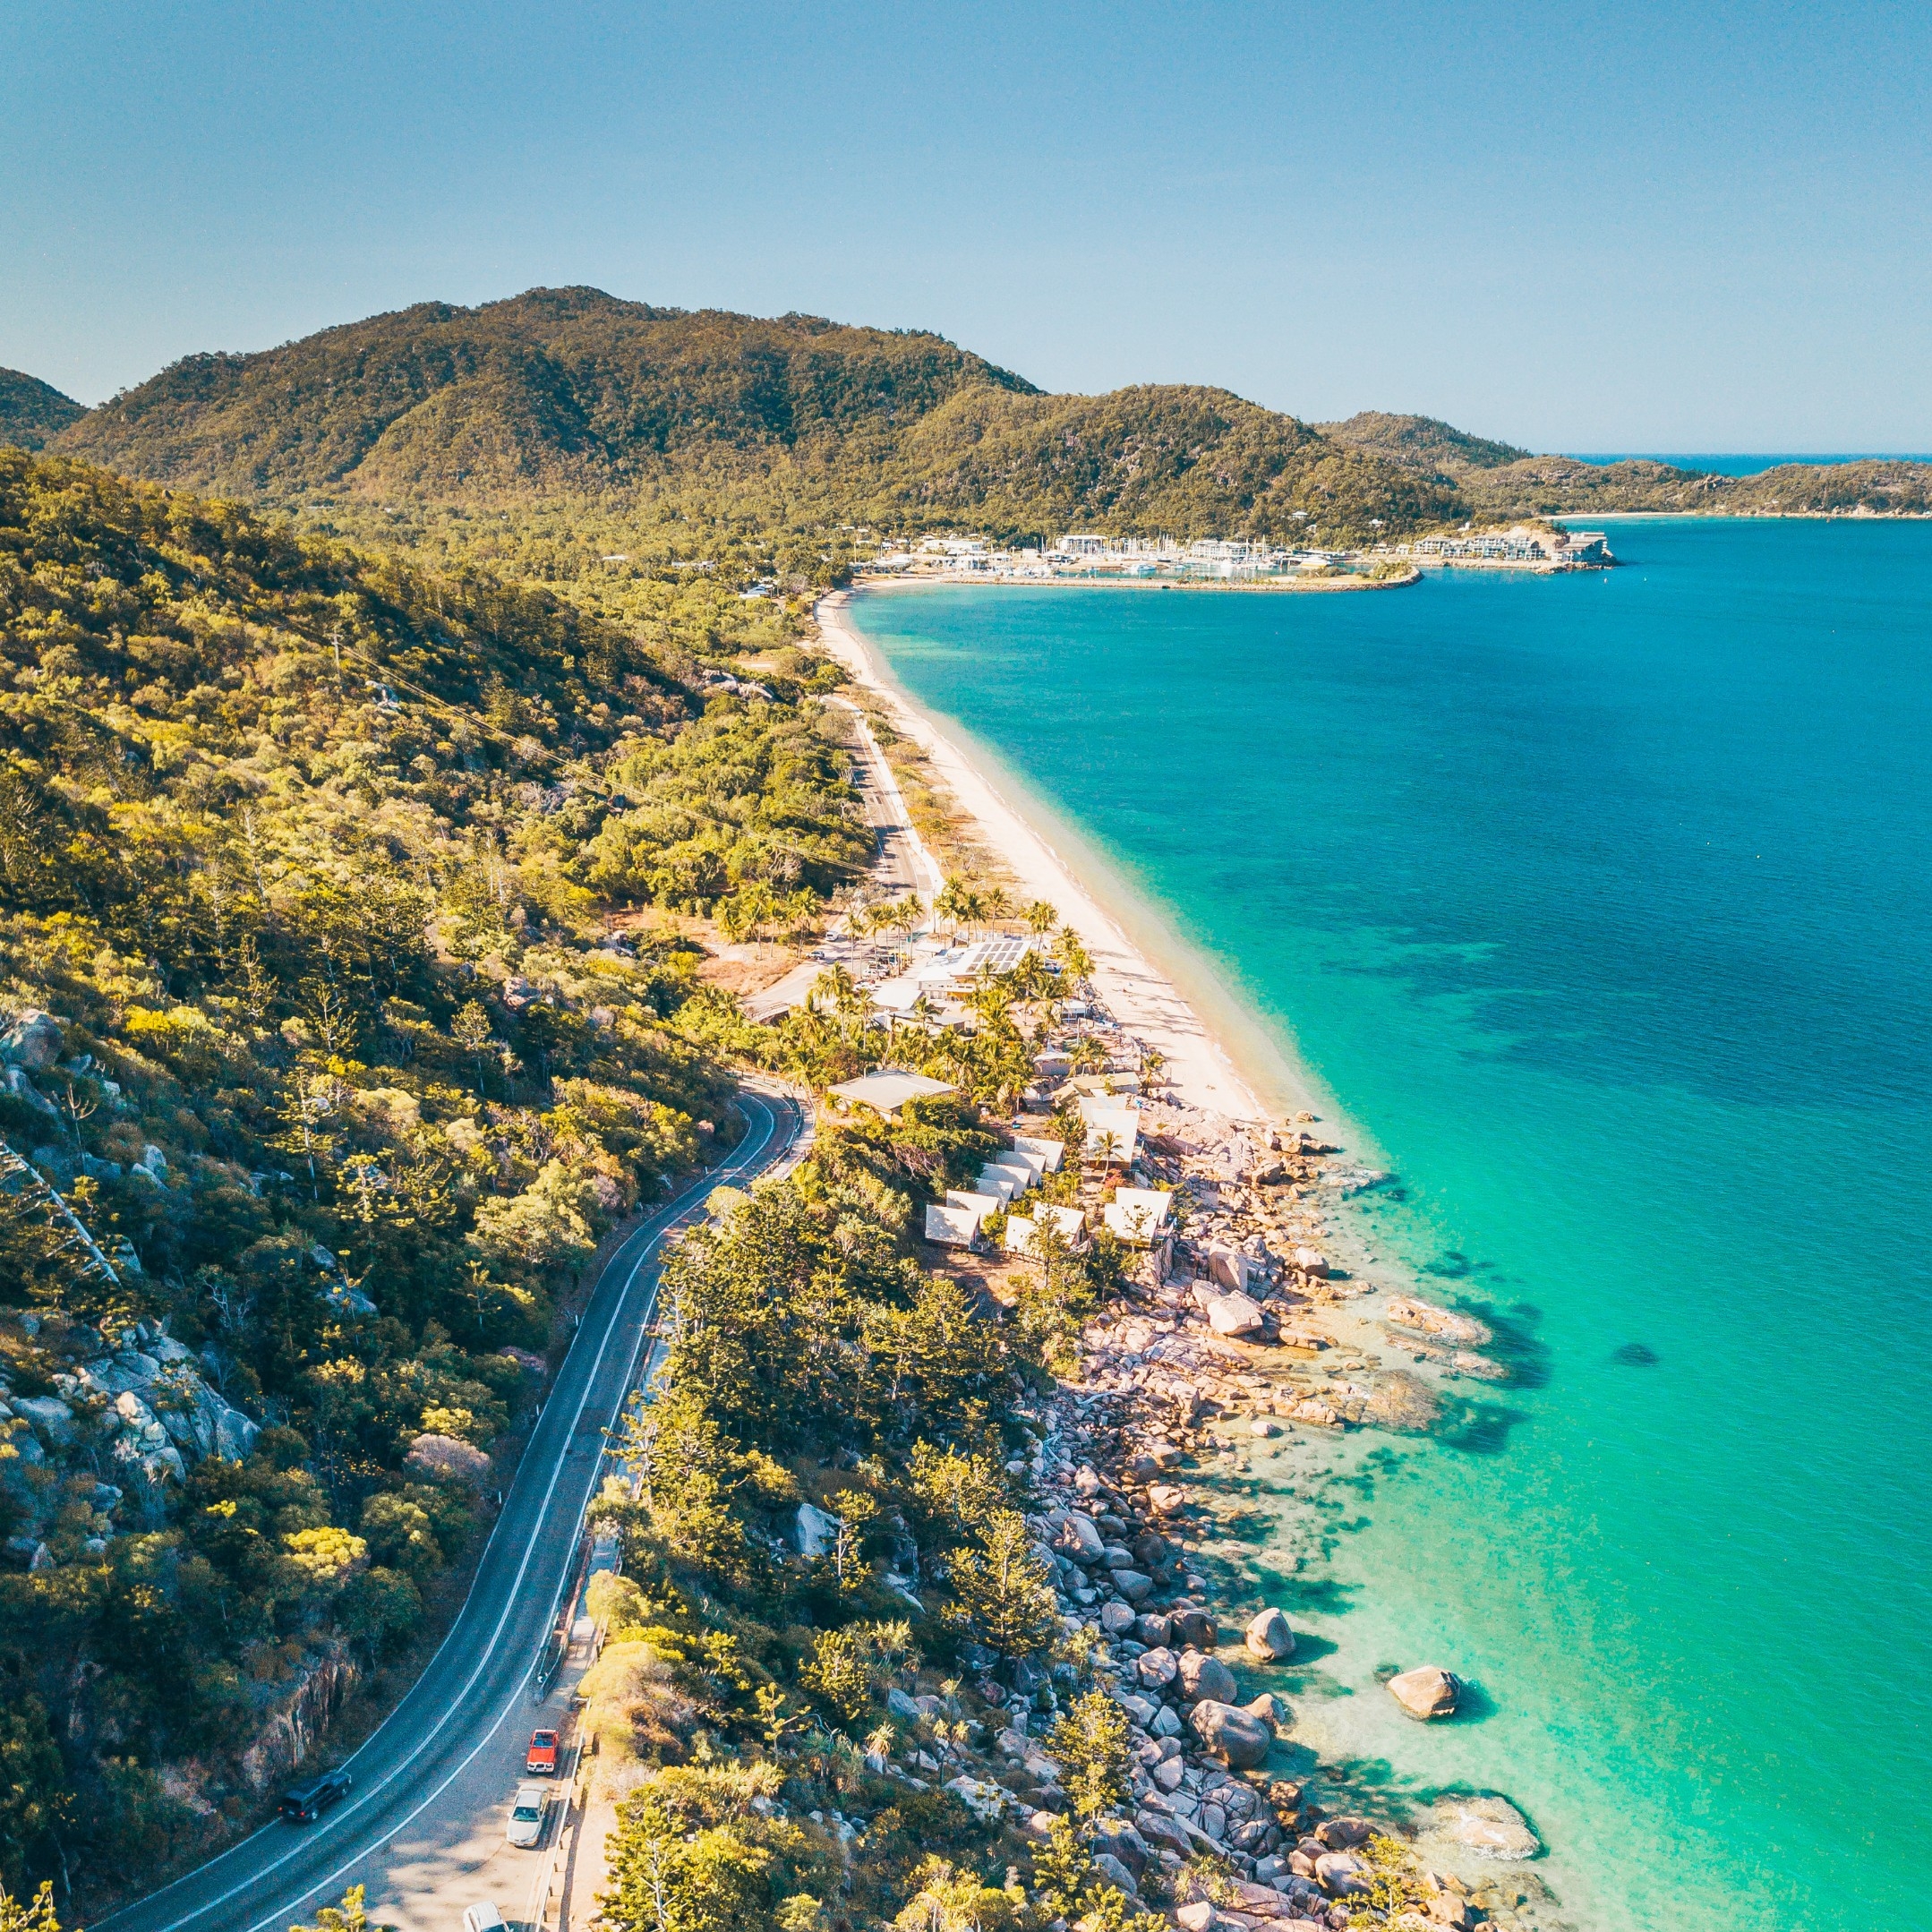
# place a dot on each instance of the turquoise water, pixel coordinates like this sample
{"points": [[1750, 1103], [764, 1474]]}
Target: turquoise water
{"points": [[1601, 903], [1742, 465]]}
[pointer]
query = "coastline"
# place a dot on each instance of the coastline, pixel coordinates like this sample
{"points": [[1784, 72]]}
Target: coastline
{"points": [[1142, 990], [1312, 1363], [988, 579]]}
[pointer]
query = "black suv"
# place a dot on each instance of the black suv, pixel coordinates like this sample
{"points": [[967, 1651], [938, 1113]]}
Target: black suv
{"points": [[307, 1802]]}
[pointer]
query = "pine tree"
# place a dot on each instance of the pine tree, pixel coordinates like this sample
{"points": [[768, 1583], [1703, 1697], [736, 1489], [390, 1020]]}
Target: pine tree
{"points": [[1090, 1744], [1005, 1591]]}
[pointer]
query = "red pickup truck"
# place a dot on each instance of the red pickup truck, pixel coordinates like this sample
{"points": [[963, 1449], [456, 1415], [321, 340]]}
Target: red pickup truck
{"points": [[542, 1760]]}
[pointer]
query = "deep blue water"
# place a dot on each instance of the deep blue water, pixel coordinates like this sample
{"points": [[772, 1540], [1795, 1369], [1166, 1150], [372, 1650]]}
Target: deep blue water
{"points": [[1603, 904]]}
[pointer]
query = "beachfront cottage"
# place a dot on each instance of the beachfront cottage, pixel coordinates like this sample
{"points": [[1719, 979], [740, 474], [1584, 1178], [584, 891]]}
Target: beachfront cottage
{"points": [[888, 1089], [1020, 1229], [1021, 1173], [1140, 1215], [980, 1204], [1051, 1152], [952, 1227], [1112, 1130]]}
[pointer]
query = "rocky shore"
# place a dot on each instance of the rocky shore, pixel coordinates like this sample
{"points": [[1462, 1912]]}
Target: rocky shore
{"points": [[1236, 1328]]}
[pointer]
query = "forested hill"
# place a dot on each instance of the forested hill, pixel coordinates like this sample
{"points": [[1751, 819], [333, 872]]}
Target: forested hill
{"points": [[1422, 442], [653, 433], [571, 395], [310, 1011], [1500, 481], [31, 411]]}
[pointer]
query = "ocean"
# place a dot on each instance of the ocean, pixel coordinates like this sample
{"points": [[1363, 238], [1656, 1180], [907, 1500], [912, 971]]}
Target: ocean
{"points": [[1744, 466], [1601, 906]]}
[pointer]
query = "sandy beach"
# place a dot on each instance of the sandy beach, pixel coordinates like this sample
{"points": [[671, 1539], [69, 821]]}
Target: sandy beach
{"points": [[1144, 999]]}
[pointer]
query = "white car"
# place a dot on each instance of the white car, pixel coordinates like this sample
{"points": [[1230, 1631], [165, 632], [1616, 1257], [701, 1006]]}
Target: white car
{"points": [[484, 1918], [526, 1815]]}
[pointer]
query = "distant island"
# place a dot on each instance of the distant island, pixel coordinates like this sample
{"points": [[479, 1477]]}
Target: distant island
{"points": [[669, 432]]}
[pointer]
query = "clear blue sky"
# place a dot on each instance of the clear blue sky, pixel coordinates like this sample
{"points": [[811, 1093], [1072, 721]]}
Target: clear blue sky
{"points": [[1691, 227]]}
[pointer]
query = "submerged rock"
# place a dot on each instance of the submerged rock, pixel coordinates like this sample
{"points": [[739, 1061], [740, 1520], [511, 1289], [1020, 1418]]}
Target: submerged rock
{"points": [[1411, 1312], [1491, 1827]]}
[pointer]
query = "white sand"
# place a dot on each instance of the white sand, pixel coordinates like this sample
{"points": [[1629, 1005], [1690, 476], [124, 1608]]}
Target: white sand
{"points": [[1144, 1000]]}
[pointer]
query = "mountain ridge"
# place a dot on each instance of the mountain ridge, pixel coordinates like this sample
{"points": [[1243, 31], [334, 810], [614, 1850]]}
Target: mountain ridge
{"points": [[671, 430], [32, 412]]}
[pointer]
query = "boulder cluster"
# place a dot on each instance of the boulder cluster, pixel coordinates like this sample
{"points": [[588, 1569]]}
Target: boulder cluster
{"points": [[144, 1401]]}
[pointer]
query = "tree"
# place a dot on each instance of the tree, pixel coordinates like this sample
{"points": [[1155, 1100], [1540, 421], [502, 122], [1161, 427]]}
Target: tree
{"points": [[1041, 918], [1071, 955], [35, 1917], [35, 1798], [380, 1607], [1062, 1869], [950, 1900], [1090, 1745], [472, 1031], [1004, 1590], [347, 1917], [666, 1878]]}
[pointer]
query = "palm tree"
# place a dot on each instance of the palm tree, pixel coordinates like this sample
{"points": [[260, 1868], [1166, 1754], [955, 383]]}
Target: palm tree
{"points": [[997, 902], [1087, 1055], [1040, 918], [1108, 1147], [1153, 1060]]}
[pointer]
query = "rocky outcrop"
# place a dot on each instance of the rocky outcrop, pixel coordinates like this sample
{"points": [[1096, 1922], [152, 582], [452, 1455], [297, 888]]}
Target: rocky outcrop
{"points": [[298, 1720], [32, 1042], [1411, 1312], [146, 1402], [1427, 1692], [1236, 1315]]}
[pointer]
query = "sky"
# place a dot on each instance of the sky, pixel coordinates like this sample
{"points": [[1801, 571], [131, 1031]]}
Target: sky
{"points": [[1595, 228]]}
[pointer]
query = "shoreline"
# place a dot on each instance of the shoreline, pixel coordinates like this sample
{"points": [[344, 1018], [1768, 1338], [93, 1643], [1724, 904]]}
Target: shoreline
{"points": [[988, 579], [1141, 993], [1263, 1353]]}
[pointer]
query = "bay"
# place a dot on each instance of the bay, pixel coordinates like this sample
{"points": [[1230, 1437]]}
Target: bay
{"points": [[1601, 904]]}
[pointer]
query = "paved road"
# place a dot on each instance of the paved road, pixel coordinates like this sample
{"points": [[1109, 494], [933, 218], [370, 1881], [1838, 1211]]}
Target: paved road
{"points": [[423, 1827]]}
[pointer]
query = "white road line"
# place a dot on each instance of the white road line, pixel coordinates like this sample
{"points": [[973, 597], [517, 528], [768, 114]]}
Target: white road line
{"points": [[678, 1210]]}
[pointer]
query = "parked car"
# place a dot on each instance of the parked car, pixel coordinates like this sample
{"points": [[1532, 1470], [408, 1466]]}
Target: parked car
{"points": [[541, 1760], [484, 1918], [303, 1804], [526, 1815]]}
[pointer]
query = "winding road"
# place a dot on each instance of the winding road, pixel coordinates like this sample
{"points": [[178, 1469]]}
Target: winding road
{"points": [[423, 1827]]}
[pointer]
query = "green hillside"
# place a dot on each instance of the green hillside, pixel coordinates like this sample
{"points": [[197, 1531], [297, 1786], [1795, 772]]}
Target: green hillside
{"points": [[1422, 442], [308, 1010], [720, 420], [31, 411], [1498, 481]]}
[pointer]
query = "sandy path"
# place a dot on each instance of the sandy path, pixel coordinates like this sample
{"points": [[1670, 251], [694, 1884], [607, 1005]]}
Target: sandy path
{"points": [[1143, 999]]}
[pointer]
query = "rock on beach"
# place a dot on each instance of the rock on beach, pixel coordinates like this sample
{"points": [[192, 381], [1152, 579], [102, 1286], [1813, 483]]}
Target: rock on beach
{"points": [[1238, 1737], [1205, 1676], [1235, 1314]]}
